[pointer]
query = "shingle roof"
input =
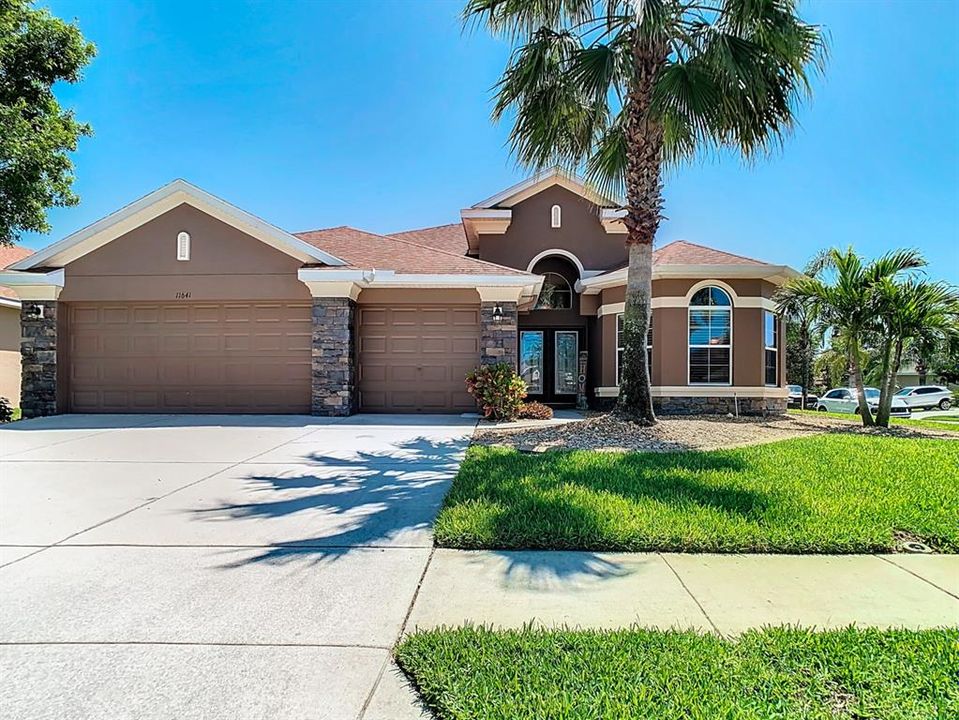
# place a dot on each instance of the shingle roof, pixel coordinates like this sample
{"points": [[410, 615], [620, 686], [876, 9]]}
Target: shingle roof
{"points": [[10, 254], [365, 250], [451, 238], [681, 252]]}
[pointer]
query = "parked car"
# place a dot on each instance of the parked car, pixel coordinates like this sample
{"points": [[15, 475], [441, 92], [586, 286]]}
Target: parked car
{"points": [[926, 397], [795, 396], [846, 400]]}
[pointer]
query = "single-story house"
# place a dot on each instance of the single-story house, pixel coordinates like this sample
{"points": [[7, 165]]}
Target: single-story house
{"points": [[181, 302], [10, 330]]}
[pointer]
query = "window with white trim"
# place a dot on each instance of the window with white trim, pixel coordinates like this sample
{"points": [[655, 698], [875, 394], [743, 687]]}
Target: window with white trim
{"points": [[771, 348], [710, 337], [556, 216], [556, 293], [620, 333], [183, 246]]}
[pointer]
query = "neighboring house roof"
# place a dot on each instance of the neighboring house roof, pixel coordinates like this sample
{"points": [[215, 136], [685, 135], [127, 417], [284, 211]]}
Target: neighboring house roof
{"points": [[451, 238], [10, 254], [681, 252], [368, 251], [155, 204]]}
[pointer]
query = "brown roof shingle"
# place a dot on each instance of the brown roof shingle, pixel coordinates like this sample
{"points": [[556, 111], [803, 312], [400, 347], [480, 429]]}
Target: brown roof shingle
{"points": [[365, 250], [451, 238], [10, 254], [681, 252]]}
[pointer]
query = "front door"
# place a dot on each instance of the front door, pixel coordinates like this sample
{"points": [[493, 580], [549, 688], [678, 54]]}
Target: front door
{"points": [[548, 363]]}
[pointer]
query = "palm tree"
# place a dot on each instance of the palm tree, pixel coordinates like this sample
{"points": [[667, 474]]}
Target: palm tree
{"points": [[852, 303], [802, 315], [622, 88], [914, 313]]}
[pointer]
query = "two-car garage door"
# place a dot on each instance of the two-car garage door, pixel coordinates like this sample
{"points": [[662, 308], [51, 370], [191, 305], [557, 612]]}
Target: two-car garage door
{"points": [[239, 357], [254, 357]]}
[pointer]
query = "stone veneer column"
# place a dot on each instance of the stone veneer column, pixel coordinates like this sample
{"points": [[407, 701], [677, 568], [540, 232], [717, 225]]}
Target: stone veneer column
{"points": [[334, 361], [38, 358], [498, 336]]}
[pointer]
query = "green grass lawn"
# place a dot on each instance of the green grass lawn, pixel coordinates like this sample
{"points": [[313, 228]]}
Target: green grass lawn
{"points": [[826, 493], [945, 423], [788, 674]]}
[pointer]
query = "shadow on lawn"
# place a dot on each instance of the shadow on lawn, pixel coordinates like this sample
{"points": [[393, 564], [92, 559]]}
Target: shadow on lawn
{"points": [[370, 499], [506, 500]]}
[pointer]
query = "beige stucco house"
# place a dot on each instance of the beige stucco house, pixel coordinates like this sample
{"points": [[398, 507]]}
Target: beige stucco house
{"points": [[10, 330], [181, 302]]}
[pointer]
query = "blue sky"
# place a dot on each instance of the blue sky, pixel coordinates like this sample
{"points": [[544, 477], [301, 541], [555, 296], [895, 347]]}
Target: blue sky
{"points": [[376, 114]]}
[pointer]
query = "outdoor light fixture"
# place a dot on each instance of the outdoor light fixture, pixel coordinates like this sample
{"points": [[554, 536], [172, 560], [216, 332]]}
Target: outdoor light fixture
{"points": [[497, 312]]}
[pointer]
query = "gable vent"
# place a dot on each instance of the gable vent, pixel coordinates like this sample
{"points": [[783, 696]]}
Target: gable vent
{"points": [[556, 216], [183, 246]]}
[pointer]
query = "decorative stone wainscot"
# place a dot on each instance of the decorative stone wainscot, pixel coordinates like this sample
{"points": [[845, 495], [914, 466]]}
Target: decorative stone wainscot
{"points": [[334, 356], [719, 406], [38, 357], [498, 335]]}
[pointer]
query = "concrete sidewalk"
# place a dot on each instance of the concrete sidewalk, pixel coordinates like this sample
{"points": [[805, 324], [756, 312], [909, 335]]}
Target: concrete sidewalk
{"points": [[723, 593]]}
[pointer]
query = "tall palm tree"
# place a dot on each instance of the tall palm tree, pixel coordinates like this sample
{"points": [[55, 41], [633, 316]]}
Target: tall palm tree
{"points": [[852, 300], [621, 88], [802, 315], [913, 313]]}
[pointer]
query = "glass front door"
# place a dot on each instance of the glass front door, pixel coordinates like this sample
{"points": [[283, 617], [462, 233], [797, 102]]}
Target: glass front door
{"points": [[549, 364]]}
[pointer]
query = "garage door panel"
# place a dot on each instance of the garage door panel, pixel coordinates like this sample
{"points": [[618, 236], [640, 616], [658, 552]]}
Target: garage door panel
{"points": [[208, 357], [431, 349]]}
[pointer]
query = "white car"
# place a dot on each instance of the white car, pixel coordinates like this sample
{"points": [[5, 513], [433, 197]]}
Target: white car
{"points": [[846, 400], [926, 396]]}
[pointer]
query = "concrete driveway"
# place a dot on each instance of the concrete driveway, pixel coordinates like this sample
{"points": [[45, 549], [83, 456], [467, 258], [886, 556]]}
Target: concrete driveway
{"points": [[214, 566]]}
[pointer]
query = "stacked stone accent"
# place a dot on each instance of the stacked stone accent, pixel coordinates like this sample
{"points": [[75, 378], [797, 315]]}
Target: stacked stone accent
{"points": [[38, 357], [719, 406], [498, 336], [334, 357]]}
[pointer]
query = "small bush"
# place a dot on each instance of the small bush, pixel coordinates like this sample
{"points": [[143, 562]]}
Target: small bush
{"points": [[498, 390], [535, 411], [6, 412]]}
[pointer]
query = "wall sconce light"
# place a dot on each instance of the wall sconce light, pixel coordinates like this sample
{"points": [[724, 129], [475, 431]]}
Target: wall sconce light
{"points": [[497, 312]]}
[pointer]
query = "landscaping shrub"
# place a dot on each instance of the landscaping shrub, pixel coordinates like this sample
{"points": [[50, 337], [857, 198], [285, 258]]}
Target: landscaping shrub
{"points": [[498, 390], [535, 411], [6, 412]]}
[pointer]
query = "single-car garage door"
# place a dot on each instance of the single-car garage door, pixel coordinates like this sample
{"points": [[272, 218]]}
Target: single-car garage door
{"points": [[415, 359], [236, 357]]}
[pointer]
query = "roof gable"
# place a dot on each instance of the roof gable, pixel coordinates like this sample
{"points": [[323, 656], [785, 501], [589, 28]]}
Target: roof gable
{"points": [[537, 183], [155, 204]]}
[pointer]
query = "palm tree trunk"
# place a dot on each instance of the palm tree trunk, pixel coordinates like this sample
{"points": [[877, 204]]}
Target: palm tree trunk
{"points": [[856, 372], [885, 402], [885, 394], [644, 198]]}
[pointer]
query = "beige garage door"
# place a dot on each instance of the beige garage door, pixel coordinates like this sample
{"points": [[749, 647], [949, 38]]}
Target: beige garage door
{"points": [[415, 359], [237, 357]]}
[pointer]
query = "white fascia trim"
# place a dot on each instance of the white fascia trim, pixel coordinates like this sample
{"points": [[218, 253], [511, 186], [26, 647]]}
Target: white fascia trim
{"points": [[390, 278], [10, 303], [773, 273], [540, 181], [558, 252], [669, 301], [13, 278], [702, 391], [155, 204], [611, 309]]}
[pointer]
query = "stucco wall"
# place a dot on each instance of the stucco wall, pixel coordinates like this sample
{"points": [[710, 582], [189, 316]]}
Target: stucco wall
{"points": [[225, 264], [530, 233], [10, 354]]}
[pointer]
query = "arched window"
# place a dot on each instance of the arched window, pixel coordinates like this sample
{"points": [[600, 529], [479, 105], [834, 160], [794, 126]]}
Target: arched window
{"points": [[710, 337], [555, 216], [556, 293]]}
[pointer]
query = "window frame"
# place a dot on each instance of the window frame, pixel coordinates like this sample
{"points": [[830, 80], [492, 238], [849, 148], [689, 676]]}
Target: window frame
{"points": [[774, 348], [569, 289], [689, 346], [620, 347], [542, 360], [556, 336], [556, 217]]}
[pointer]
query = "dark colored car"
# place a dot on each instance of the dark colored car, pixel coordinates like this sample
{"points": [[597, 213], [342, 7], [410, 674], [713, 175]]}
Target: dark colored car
{"points": [[795, 397]]}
